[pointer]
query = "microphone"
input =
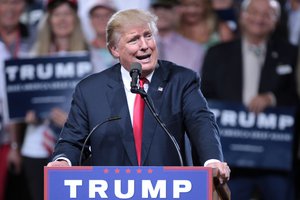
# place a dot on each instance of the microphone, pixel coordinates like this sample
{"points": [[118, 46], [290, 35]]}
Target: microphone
{"points": [[92, 131], [135, 73]]}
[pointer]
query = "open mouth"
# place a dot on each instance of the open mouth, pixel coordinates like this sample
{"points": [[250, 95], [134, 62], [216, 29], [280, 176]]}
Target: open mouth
{"points": [[143, 57]]}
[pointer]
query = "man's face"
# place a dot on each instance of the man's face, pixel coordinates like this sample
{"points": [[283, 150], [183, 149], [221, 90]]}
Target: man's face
{"points": [[137, 44], [10, 12], [259, 20]]}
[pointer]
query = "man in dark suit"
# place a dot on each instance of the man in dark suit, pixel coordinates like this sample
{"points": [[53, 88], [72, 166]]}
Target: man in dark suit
{"points": [[259, 72], [175, 93]]}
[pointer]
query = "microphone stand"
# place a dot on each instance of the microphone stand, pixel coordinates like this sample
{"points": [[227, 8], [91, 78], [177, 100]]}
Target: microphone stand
{"points": [[150, 105], [92, 131]]}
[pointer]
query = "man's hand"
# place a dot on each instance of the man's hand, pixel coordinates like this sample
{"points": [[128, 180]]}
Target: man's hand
{"points": [[223, 170], [260, 102], [31, 117], [58, 116], [60, 163]]}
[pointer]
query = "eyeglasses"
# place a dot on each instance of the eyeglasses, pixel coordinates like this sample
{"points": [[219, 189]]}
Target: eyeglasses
{"points": [[265, 15]]}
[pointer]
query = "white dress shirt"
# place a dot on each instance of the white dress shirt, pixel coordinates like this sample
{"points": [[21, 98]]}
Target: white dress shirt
{"points": [[129, 95], [253, 60]]}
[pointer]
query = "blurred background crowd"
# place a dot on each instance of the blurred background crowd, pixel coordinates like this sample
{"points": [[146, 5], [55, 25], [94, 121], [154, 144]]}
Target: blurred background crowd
{"points": [[218, 39]]}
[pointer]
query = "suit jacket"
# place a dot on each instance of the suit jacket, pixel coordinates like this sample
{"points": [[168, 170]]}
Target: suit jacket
{"points": [[176, 95], [222, 72]]}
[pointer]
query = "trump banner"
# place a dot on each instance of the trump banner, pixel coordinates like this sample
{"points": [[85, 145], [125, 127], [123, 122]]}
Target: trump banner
{"points": [[43, 83], [264, 140], [83, 183]]}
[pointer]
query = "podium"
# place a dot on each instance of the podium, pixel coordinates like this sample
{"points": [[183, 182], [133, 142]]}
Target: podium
{"points": [[220, 191], [124, 182]]}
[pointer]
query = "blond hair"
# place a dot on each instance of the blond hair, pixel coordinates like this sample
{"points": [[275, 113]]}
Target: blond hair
{"points": [[209, 16], [44, 40], [121, 20]]}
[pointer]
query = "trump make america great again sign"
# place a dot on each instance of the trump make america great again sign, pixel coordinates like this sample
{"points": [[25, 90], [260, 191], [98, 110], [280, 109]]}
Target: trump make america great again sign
{"points": [[261, 141], [43, 83], [83, 183]]}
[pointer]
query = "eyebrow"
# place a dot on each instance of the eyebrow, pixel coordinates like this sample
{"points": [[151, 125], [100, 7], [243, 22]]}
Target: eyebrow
{"points": [[132, 38]]}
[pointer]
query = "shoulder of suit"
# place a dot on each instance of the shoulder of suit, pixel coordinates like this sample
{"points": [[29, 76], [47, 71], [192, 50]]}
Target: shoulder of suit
{"points": [[223, 50], [226, 45], [282, 44], [171, 65]]}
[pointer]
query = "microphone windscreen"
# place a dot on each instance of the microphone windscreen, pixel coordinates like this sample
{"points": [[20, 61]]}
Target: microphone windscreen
{"points": [[135, 67]]}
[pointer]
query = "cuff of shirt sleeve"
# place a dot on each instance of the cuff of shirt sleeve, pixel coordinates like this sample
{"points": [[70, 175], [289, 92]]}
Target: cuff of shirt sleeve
{"points": [[210, 161], [65, 159]]}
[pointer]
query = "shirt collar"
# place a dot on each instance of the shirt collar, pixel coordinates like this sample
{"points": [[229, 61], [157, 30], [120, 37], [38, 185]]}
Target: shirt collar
{"points": [[257, 49], [127, 78]]}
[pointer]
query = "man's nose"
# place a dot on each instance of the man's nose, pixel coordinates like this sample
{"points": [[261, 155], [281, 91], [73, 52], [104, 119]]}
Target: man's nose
{"points": [[143, 44]]}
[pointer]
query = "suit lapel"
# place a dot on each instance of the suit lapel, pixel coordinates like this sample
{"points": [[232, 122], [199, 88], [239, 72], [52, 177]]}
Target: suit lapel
{"points": [[271, 60], [118, 104], [155, 92]]}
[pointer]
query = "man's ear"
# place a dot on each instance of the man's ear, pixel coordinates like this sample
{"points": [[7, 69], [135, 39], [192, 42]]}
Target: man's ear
{"points": [[114, 51]]}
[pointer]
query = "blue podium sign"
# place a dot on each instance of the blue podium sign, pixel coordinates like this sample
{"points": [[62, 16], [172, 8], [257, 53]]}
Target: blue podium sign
{"points": [[83, 183], [263, 141]]}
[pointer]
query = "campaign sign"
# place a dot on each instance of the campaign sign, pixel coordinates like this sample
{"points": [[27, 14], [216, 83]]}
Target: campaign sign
{"points": [[41, 84], [249, 140], [83, 183]]}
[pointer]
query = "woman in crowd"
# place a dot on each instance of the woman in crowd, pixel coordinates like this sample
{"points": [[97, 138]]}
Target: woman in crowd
{"points": [[60, 30], [199, 23], [16, 40], [59, 34]]}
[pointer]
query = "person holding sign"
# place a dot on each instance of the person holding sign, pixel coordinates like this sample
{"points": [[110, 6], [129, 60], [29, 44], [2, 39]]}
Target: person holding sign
{"points": [[122, 130], [4, 137], [16, 40], [258, 72], [59, 34]]}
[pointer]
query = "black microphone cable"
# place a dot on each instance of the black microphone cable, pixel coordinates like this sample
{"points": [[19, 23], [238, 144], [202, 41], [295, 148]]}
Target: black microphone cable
{"points": [[150, 105], [92, 131], [135, 72]]}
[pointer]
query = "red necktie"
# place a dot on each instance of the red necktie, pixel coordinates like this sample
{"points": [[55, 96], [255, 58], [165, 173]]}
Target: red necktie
{"points": [[138, 116]]}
